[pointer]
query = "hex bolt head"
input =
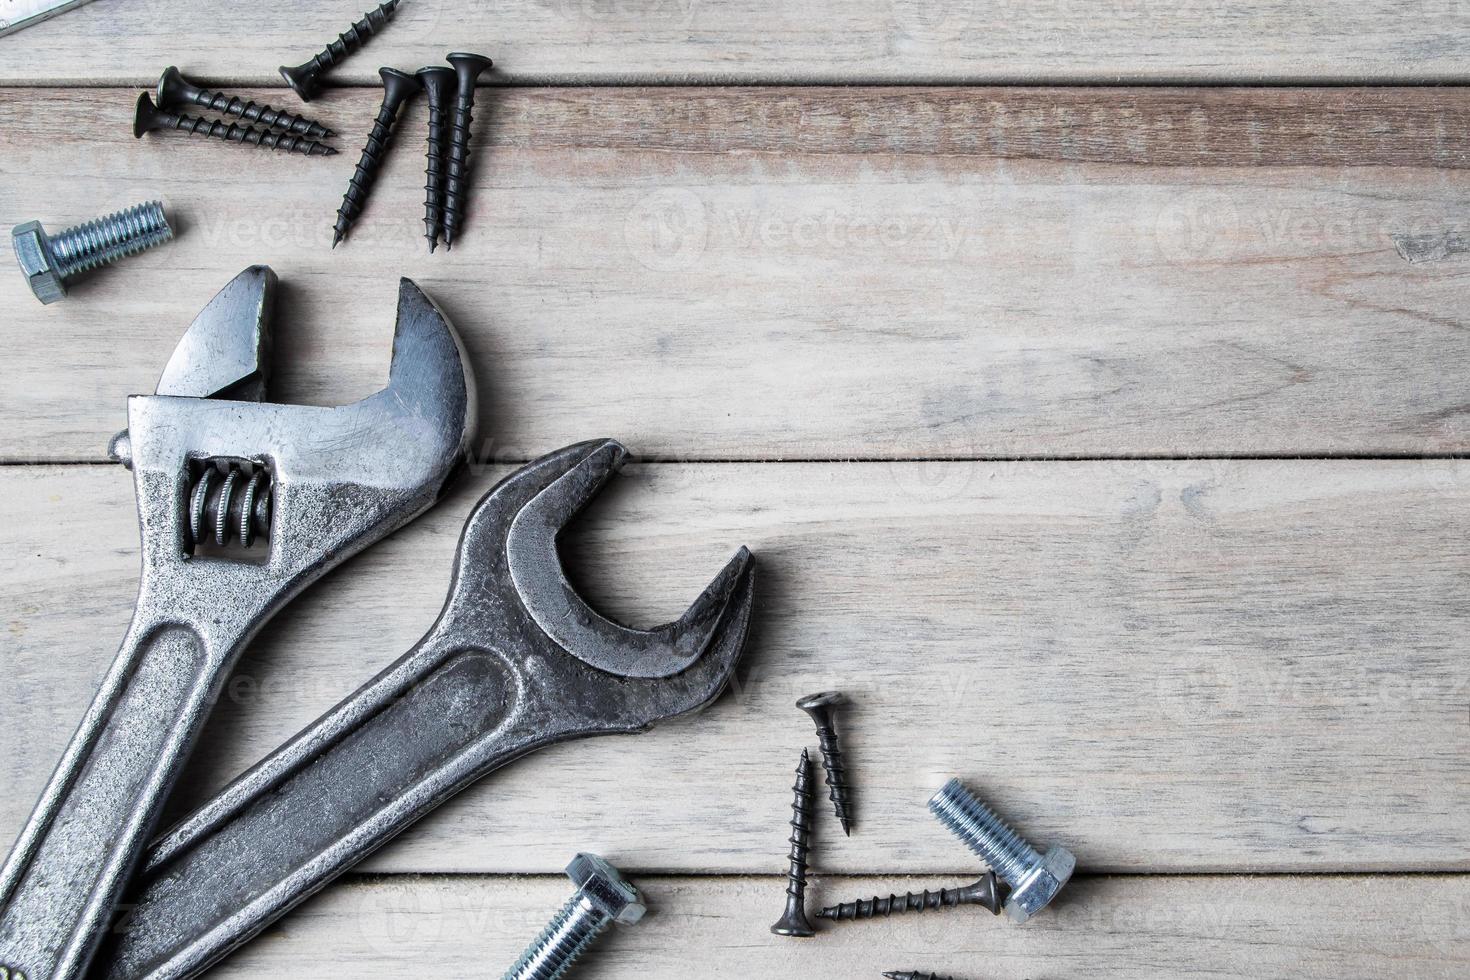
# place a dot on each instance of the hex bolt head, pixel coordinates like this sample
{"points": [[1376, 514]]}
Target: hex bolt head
{"points": [[1034, 878], [603, 897]]}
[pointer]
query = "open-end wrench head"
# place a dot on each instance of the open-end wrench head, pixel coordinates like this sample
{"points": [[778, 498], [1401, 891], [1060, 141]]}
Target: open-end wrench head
{"points": [[541, 584], [225, 353]]}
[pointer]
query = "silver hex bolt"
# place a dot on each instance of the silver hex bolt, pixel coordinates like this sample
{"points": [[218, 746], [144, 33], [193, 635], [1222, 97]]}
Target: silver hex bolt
{"points": [[603, 897], [1034, 878], [49, 263]]}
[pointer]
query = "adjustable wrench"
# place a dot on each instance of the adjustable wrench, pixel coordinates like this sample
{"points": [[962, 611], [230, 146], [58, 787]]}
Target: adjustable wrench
{"points": [[516, 661], [215, 470]]}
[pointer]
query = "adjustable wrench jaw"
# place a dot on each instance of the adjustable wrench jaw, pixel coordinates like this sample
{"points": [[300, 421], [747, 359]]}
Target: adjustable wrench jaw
{"points": [[340, 478]]}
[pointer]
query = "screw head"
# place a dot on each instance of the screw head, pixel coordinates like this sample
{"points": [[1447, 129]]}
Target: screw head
{"points": [[301, 79], [37, 264], [438, 82], [174, 88], [812, 704], [398, 85], [606, 888], [147, 117], [468, 67], [1035, 891], [794, 924]]}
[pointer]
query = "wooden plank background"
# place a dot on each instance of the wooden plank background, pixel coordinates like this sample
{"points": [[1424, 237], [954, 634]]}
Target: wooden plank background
{"points": [[1103, 438]]}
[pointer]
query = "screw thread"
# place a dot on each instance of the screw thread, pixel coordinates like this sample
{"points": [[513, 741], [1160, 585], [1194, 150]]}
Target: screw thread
{"points": [[801, 828], [366, 172], [266, 115], [983, 892], [456, 186], [915, 976], [984, 832], [434, 175], [239, 133], [836, 767], [353, 38], [104, 240], [566, 937]]}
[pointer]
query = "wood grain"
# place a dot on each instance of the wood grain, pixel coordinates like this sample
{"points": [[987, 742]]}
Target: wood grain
{"points": [[1342, 927], [1168, 666], [812, 273], [969, 41]]}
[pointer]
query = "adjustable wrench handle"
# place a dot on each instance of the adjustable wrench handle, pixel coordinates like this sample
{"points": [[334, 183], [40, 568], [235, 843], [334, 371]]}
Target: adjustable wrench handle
{"points": [[428, 726], [59, 887]]}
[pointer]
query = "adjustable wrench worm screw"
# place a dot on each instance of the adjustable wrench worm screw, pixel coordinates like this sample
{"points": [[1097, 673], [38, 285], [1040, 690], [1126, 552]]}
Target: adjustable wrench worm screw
{"points": [[823, 709], [793, 921], [467, 68], [148, 118], [439, 84], [175, 90], [305, 79], [398, 88], [985, 893]]}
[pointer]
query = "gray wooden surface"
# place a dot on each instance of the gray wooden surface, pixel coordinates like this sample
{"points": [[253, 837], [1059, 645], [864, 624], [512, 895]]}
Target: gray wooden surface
{"points": [[1106, 443]]}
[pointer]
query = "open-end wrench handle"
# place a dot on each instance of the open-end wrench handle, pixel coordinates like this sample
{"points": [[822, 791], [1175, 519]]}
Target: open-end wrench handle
{"points": [[67, 870], [421, 731]]}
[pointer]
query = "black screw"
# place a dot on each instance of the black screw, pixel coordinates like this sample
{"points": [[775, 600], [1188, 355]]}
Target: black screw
{"points": [[467, 69], [985, 893], [915, 976], [148, 118], [398, 88], [304, 79], [823, 709], [439, 83], [793, 921], [174, 89]]}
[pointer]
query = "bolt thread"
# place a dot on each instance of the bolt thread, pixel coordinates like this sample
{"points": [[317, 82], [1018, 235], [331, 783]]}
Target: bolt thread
{"points": [[802, 811], [105, 240], [456, 186], [566, 937], [837, 787], [434, 175], [233, 105], [984, 832], [238, 133], [361, 181], [983, 892], [915, 976], [352, 38]]}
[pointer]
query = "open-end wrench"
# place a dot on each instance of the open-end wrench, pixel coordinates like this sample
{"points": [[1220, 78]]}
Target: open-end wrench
{"points": [[516, 661], [217, 469]]}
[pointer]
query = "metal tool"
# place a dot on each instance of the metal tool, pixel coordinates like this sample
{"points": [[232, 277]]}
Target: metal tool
{"points": [[398, 88], [515, 662], [20, 14], [214, 467], [823, 711], [176, 90], [793, 921], [984, 893], [50, 263], [305, 79], [149, 118], [1034, 878], [467, 70], [603, 897]]}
